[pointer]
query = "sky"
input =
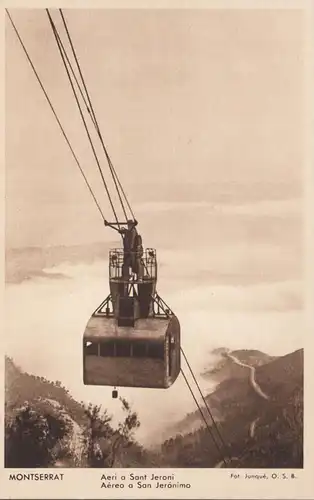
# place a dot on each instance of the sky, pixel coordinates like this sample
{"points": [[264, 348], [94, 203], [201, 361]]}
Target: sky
{"points": [[193, 106]]}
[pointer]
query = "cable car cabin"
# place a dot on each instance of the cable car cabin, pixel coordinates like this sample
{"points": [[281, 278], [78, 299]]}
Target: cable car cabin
{"points": [[133, 338]]}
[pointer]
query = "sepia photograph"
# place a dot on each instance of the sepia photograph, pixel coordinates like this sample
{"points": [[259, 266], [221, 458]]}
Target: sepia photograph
{"points": [[154, 241]]}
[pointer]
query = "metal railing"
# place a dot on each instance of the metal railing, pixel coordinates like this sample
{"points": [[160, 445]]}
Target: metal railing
{"points": [[120, 260]]}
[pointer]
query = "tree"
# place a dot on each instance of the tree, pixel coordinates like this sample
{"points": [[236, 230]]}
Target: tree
{"points": [[101, 442], [97, 427], [124, 436], [31, 436]]}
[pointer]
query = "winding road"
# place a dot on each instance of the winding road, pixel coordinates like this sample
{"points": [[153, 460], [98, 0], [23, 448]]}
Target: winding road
{"points": [[253, 427], [256, 387], [253, 382]]}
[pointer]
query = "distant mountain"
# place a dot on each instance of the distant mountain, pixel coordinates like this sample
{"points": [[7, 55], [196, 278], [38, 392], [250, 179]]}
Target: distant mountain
{"points": [[282, 376], [225, 368], [259, 414]]}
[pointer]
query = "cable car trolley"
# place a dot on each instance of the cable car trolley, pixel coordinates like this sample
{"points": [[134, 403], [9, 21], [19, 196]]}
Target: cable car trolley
{"points": [[133, 338]]}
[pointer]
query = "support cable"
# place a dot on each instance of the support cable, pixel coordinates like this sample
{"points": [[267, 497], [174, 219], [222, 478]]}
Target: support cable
{"points": [[76, 80], [81, 113], [204, 400], [55, 114], [205, 420], [95, 122]]}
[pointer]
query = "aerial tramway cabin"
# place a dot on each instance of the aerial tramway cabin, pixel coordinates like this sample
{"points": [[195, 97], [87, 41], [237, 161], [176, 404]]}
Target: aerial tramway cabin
{"points": [[133, 338]]}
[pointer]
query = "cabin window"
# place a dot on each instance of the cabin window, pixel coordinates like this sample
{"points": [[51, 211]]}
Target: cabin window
{"points": [[123, 349], [139, 349], [91, 348], [171, 353], [126, 349], [107, 348], [155, 350]]}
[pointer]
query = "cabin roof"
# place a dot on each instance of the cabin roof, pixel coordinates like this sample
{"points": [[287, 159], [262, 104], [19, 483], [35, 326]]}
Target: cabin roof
{"points": [[100, 327]]}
